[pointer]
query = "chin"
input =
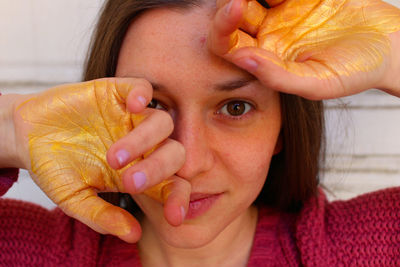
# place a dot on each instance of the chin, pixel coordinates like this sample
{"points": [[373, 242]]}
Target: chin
{"points": [[201, 231], [191, 236], [209, 226]]}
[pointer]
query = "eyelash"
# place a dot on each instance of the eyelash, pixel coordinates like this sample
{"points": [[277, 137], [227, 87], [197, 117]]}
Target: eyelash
{"points": [[157, 103], [249, 108]]}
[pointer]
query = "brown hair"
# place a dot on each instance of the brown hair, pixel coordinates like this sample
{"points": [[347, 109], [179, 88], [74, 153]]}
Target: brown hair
{"points": [[294, 172]]}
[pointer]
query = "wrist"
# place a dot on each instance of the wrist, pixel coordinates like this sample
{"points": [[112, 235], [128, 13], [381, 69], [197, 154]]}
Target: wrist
{"points": [[9, 154]]}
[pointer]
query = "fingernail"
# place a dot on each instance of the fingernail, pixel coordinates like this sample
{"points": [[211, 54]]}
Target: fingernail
{"points": [[122, 156], [139, 178], [142, 100], [248, 64], [183, 213], [228, 7]]}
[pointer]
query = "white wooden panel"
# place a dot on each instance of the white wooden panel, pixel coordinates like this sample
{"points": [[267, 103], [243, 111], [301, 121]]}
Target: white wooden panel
{"points": [[347, 184], [368, 123], [44, 40]]}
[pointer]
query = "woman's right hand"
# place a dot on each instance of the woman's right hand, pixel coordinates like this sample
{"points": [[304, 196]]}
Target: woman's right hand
{"points": [[85, 138], [316, 49]]}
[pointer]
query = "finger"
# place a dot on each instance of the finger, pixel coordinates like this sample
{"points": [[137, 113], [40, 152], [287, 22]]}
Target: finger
{"points": [[242, 40], [177, 204], [156, 127], [139, 98], [305, 79], [253, 17], [136, 93], [223, 33], [101, 216], [159, 192], [164, 162]]}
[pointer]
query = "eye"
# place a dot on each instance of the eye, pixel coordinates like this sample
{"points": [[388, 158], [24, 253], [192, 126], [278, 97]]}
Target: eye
{"points": [[155, 104], [235, 108]]}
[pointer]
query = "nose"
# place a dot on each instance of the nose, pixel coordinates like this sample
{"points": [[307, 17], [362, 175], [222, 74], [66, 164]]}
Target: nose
{"points": [[192, 133]]}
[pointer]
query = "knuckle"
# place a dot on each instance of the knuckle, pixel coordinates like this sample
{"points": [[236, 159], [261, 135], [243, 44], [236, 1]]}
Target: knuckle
{"points": [[125, 175], [143, 82], [155, 168], [162, 165], [177, 159], [136, 143]]}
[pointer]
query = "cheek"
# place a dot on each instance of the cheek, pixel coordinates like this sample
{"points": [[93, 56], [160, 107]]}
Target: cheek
{"points": [[247, 156], [150, 207], [255, 168], [248, 159]]}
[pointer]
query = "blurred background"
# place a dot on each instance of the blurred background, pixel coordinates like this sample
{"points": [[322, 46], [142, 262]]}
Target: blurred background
{"points": [[43, 43]]}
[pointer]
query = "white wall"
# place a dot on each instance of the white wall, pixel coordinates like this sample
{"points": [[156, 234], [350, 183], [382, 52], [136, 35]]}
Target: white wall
{"points": [[43, 43]]}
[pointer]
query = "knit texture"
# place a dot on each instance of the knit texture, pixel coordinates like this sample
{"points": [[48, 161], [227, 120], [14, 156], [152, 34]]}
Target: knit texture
{"points": [[364, 231]]}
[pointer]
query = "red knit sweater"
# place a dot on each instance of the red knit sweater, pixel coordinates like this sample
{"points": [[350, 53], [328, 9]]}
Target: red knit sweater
{"points": [[364, 231]]}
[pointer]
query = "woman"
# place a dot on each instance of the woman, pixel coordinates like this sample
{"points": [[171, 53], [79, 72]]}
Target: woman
{"points": [[222, 134]]}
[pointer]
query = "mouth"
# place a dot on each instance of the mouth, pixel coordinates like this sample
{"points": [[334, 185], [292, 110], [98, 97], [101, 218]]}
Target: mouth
{"points": [[200, 204]]}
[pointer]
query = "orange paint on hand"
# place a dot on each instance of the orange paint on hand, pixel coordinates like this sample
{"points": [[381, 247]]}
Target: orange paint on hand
{"points": [[335, 37], [71, 129]]}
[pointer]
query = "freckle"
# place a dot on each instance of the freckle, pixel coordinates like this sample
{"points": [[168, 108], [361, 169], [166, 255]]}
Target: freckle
{"points": [[202, 41]]}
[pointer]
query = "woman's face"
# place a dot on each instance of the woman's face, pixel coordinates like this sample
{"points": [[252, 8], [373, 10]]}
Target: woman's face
{"points": [[227, 121]]}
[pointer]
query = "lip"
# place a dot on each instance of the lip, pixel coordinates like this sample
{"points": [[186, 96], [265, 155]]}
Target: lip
{"points": [[200, 203]]}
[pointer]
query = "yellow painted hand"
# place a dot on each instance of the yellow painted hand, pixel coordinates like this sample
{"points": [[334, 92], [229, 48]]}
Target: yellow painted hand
{"points": [[327, 40], [70, 129]]}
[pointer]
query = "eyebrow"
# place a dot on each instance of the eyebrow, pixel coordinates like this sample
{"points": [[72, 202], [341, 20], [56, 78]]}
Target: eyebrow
{"points": [[225, 86], [235, 84]]}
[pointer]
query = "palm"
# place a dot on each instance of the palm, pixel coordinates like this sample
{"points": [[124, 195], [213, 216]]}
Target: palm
{"points": [[334, 34], [69, 130], [341, 45], [70, 135]]}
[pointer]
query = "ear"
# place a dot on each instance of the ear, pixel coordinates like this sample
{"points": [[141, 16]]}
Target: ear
{"points": [[279, 144]]}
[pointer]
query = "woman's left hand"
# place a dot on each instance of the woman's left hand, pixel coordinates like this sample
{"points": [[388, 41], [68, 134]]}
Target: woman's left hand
{"points": [[317, 49], [70, 138]]}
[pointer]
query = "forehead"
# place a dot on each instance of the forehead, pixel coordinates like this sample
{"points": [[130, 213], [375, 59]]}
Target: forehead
{"points": [[176, 38], [164, 30]]}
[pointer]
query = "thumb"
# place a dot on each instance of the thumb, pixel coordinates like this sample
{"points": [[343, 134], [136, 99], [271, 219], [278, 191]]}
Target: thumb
{"points": [[102, 216]]}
